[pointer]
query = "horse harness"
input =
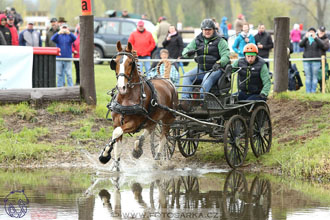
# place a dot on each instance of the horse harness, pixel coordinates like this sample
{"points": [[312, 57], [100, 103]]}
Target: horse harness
{"points": [[137, 109]]}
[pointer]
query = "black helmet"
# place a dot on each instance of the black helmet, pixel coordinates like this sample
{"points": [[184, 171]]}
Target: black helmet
{"points": [[207, 24]]}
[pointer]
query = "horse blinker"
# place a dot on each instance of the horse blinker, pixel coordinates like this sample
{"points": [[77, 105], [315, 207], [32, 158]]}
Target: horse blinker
{"points": [[113, 65]]}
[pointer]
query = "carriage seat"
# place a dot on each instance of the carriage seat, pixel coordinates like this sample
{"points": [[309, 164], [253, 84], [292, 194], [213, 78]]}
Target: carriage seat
{"points": [[223, 85]]}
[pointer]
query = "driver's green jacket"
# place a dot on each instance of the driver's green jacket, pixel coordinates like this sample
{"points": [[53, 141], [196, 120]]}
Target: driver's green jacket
{"points": [[222, 46], [264, 75]]}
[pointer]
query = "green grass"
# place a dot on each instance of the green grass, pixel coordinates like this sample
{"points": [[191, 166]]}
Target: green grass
{"points": [[22, 111]]}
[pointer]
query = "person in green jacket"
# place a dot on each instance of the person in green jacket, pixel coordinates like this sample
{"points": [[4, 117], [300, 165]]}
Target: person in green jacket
{"points": [[253, 77]]}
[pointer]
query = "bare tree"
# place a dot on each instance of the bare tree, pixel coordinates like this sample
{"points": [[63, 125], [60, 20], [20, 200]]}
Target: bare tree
{"points": [[321, 6]]}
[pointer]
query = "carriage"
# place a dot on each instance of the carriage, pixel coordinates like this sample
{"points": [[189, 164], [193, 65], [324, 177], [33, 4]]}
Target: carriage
{"points": [[219, 117]]}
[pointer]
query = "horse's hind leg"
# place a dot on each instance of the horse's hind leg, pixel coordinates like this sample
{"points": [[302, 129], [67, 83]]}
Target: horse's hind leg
{"points": [[137, 150], [162, 142]]}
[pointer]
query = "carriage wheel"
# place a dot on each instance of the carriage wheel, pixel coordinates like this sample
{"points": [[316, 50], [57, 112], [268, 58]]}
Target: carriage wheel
{"points": [[235, 195], [260, 131], [260, 195], [169, 147], [188, 148], [235, 141]]}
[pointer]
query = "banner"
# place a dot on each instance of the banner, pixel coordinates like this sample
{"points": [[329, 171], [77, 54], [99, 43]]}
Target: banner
{"points": [[16, 67]]}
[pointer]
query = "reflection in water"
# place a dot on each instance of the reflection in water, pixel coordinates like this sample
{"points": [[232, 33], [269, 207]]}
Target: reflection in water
{"points": [[67, 194], [181, 197]]}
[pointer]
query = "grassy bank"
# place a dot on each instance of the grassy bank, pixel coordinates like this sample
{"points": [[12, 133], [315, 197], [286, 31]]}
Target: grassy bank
{"points": [[29, 134]]}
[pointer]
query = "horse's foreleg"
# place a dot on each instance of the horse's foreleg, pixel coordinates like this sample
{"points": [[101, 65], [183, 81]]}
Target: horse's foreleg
{"points": [[137, 150], [106, 154]]}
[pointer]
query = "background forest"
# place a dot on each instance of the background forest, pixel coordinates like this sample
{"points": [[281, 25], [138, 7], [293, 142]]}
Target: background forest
{"points": [[189, 12]]}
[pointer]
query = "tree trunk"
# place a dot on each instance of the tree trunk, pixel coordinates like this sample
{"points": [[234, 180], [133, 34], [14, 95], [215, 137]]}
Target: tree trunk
{"points": [[86, 64], [281, 43], [40, 94]]}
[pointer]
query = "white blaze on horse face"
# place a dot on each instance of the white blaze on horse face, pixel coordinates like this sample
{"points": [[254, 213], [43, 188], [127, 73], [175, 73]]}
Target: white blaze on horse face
{"points": [[121, 79]]}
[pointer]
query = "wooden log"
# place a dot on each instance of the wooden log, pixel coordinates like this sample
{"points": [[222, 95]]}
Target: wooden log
{"points": [[281, 43], [40, 94], [86, 63]]}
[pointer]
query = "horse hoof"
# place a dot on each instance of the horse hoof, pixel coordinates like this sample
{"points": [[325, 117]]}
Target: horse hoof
{"points": [[137, 153], [157, 157], [104, 159]]}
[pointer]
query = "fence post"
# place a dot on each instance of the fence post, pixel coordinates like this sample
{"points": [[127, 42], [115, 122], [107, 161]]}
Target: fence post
{"points": [[86, 63], [281, 43], [323, 73]]}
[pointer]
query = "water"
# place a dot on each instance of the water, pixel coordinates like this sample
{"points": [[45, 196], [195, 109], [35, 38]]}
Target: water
{"points": [[177, 194]]}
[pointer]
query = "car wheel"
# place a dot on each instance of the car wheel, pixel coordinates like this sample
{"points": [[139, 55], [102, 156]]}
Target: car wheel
{"points": [[98, 54]]}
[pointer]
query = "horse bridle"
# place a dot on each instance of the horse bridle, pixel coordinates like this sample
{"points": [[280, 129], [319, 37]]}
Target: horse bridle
{"points": [[113, 65]]}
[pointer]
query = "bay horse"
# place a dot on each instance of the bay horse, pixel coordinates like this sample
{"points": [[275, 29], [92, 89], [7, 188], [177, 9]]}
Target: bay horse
{"points": [[139, 104]]}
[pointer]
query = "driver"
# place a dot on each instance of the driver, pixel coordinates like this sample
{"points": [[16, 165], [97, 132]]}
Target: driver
{"points": [[253, 78], [212, 54]]}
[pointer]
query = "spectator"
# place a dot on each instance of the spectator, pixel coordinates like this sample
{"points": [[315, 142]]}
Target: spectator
{"points": [[144, 17], [162, 32], [295, 36], [264, 42], [217, 26], [243, 39], [124, 14], [52, 30], [314, 47], [5, 31], [224, 28], [18, 18], [323, 36], [212, 54], [30, 37], [64, 40], [143, 42], [239, 23], [76, 54], [174, 44], [13, 31], [253, 79], [169, 73]]}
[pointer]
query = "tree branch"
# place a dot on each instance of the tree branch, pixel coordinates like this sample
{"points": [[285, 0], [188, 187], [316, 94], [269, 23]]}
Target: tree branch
{"points": [[306, 8]]}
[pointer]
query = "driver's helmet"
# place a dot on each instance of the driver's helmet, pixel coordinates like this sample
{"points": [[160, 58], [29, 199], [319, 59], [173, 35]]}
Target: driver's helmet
{"points": [[250, 48], [208, 24]]}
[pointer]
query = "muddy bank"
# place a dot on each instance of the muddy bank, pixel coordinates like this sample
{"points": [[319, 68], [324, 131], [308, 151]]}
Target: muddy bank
{"points": [[287, 116]]}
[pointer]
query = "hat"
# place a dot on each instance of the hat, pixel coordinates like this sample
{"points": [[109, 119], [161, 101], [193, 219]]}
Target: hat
{"points": [[322, 29], [53, 20], [140, 24], [30, 22], [3, 16], [61, 19], [64, 25], [312, 29], [10, 17]]}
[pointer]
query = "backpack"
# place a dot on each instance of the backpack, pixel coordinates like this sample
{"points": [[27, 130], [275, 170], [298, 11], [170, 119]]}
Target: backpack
{"points": [[294, 78]]}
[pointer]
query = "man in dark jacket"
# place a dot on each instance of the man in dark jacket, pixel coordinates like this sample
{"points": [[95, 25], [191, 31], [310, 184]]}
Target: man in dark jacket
{"points": [[314, 47], [52, 30], [264, 42], [30, 37], [253, 77], [5, 31], [212, 54], [323, 36]]}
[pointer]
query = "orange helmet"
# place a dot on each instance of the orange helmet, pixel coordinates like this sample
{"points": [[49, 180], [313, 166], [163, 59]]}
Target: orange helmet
{"points": [[250, 48]]}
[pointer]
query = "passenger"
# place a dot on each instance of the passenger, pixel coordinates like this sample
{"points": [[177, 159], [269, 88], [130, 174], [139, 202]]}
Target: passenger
{"points": [[253, 79], [212, 54], [169, 73]]}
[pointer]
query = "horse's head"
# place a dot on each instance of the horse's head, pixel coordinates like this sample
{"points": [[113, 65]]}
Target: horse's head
{"points": [[125, 67]]}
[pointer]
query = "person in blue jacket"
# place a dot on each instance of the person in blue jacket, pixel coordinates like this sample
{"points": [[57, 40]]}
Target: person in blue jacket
{"points": [[243, 39], [224, 27], [64, 40]]}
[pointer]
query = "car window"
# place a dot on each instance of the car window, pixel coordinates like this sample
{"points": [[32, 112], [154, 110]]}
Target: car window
{"points": [[109, 27], [97, 25], [127, 28]]}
